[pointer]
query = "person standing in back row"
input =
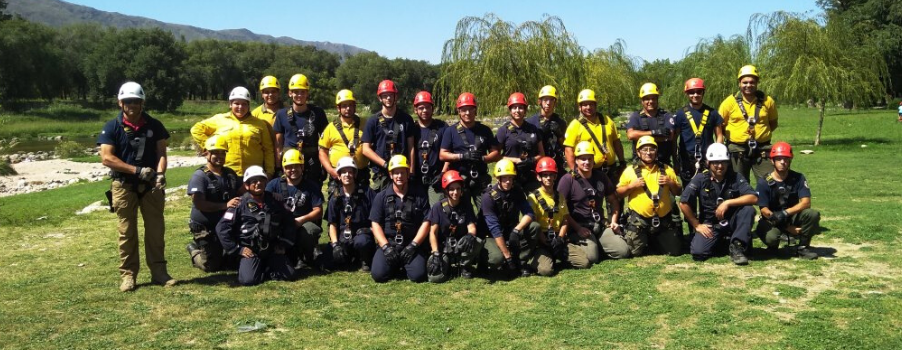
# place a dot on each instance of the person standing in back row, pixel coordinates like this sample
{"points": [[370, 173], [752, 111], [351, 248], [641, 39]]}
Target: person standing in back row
{"points": [[388, 132], [750, 118], [299, 126], [133, 146], [552, 127]]}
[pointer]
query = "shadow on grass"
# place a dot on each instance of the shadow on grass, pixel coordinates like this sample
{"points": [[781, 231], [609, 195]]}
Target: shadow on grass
{"points": [[229, 278], [855, 141]]}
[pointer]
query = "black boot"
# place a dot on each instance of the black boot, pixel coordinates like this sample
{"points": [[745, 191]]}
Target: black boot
{"points": [[737, 253], [803, 251]]}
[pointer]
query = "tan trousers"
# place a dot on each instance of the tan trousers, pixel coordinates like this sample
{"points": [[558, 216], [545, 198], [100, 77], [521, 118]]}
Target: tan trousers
{"points": [[126, 202]]}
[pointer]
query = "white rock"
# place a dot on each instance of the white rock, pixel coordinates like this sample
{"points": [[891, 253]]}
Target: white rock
{"points": [[22, 183]]}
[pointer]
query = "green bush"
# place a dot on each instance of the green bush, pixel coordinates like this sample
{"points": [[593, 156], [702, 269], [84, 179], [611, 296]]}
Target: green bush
{"points": [[6, 168], [69, 149]]}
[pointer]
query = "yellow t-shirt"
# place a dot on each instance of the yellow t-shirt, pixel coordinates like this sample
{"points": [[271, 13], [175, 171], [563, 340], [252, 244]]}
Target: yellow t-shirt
{"points": [[577, 133], [638, 200], [265, 114], [544, 221], [332, 141], [735, 123]]}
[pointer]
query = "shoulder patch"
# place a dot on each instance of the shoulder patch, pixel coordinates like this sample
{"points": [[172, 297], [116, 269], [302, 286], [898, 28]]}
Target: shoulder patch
{"points": [[806, 184], [229, 215]]}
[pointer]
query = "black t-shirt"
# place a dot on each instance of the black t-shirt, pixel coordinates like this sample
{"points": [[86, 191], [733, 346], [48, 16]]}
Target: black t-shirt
{"points": [[311, 123], [357, 206], [414, 209], [641, 121], [552, 132], [216, 189], [126, 140], [432, 135], [705, 189], [401, 125], [795, 187], [479, 136], [574, 191], [463, 212], [515, 140]]}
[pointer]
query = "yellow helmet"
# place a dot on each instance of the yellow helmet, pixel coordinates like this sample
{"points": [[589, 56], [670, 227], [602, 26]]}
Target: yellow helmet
{"points": [[505, 167], [291, 157], [344, 95], [648, 89], [216, 143], [747, 70], [585, 95], [584, 148], [298, 82], [548, 91], [269, 81], [397, 161], [646, 140]]}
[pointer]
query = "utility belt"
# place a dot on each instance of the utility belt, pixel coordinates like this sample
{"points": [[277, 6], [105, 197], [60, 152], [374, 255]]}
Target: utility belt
{"points": [[652, 225], [750, 150]]}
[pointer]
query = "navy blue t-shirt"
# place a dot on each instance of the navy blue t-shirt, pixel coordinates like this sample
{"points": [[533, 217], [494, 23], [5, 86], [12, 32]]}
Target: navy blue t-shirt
{"points": [[433, 136], [492, 211], [360, 205], [124, 140], [795, 185], [465, 216], [705, 189], [299, 200], [417, 203], [374, 133], [222, 190], [452, 142], [552, 135], [312, 132], [687, 135], [510, 136], [665, 148]]}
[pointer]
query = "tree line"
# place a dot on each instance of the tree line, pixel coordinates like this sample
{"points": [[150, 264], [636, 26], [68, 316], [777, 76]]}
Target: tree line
{"points": [[846, 55]]}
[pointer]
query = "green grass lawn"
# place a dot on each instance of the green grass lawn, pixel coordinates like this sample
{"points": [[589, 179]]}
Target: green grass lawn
{"points": [[59, 281]]}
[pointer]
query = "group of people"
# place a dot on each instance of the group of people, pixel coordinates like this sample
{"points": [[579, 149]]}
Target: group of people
{"points": [[413, 198]]}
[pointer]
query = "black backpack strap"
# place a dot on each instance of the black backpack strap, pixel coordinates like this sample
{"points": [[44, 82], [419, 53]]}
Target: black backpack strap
{"points": [[600, 145]]}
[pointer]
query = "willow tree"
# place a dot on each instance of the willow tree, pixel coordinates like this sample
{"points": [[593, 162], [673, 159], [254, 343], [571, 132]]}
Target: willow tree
{"points": [[612, 74], [812, 58], [716, 61], [492, 59]]}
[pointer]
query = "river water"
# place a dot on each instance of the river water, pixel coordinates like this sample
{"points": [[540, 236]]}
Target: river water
{"points": [[35, 145]]}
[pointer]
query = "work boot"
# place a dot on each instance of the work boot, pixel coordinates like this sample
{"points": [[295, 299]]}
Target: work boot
{"points": [[804, 252], [465, 272], [164, 280], [128, 284], [524, 272], [364, 267], [737, 253]]}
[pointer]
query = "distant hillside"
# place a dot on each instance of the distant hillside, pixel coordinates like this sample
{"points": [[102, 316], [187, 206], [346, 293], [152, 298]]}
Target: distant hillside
{"points": [[56, 13]]}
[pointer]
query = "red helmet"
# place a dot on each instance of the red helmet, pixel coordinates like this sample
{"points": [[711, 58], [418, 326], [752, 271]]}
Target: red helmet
{"points": [[546, 164], [694, 84], [466, 99], [449, 177], [423, 97], [781, 149], [516, 99], [386, 86]]}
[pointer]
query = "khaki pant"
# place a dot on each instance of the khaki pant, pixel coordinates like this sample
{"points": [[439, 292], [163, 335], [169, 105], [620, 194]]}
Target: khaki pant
{"points": [[126, 201], [809, 220], [581, 254], [758, 162]]}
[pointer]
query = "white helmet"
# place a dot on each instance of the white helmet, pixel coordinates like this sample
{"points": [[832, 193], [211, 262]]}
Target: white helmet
{"points": [[240, 93], [131, 90], [717, 152], [345, 162], [253, 172]]}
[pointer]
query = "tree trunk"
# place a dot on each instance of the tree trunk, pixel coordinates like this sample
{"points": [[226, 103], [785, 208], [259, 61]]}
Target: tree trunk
{"points": [[820, 126]]}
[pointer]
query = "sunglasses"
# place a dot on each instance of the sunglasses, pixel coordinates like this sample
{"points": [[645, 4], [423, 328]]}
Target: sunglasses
{"points": [[695, 92], [131, 101]]}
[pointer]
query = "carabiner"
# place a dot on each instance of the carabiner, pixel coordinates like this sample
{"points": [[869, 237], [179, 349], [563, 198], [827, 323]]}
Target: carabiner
{"points": [[399, 238], [596, 216], [346, 234], [752, 144], [473, 174], [424, 168], [655, 222]]}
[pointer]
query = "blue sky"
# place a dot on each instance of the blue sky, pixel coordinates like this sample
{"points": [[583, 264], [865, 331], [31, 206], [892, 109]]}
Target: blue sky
{"points": [[652, 29]]}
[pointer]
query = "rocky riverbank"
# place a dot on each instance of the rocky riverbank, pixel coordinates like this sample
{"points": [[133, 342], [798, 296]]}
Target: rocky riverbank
{"points": [[39, 175]]}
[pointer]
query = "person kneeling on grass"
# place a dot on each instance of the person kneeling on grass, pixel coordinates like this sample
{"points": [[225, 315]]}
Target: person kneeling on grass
{"points": [[350, 234], [506, 215], [452, 233], [304, 200], [726, 200], [399, 226], [552, 223], [785, 202], [259, 230], [213, 189]]}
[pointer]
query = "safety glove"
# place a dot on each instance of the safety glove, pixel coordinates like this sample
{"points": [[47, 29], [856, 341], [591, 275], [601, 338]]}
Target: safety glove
{"points": [[434, 265], [779, 218], [511, 264], [338, 253], [391, 255], [514, 239], [409, 252], [146, 174], [161, 182]]}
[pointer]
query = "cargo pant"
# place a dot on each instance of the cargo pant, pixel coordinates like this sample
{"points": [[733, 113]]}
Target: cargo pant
{"points": [[738, 228], [466, 259], [206, 251], [525, 251], [612, 244], [809, 220], [581, 253], [127, 199], [758, 162], [263, 266], [639, 234], [308, 240]]}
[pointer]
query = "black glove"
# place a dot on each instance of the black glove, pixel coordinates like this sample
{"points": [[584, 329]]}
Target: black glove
{"points": [[779, 218], [146, 174], [466, 243], [338, 253], [514, 239], [556, 243], [409, 252], [559, 247], [472, 156], [434, 265], [391, 255], [511, 264]]}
